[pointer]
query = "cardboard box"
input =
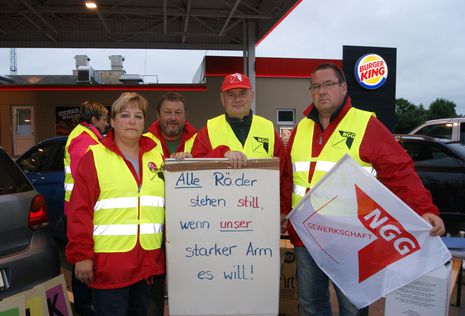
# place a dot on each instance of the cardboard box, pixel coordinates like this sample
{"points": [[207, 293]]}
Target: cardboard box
{"points": [[288, 297], [427, 296]]}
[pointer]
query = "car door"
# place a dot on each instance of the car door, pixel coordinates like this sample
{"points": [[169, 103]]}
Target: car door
{"points": [[441, 171], [43, 165]]}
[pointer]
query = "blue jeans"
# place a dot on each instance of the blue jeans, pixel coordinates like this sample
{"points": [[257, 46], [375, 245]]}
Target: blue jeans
{"points": [[132, 300], [313, 287]]}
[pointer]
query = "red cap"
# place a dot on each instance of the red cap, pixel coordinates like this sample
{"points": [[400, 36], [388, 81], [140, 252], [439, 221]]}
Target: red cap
{"points": [[234, 81]]}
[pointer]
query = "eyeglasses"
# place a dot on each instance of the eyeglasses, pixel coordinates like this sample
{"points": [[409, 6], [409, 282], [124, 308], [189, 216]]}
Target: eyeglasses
{"points": [[325, 85]]}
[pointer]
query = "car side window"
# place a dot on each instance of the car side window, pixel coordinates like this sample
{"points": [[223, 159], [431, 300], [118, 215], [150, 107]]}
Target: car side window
{"points": [[430, 154], [443, 131], [57, 164], [12, 179], [42, 159]]}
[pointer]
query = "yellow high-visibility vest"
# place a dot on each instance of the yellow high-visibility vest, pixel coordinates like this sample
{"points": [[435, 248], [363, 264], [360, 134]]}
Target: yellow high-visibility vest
{"points": [[124, 212], [346, 139], [187, 144], [259, 143], [69, 180]]}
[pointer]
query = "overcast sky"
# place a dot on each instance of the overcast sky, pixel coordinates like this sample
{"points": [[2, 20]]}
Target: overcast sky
{"points": [[429, 36]]}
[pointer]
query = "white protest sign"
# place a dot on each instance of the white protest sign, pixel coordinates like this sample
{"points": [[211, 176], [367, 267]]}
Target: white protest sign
{"points": [[364, 237], [222, 237]]}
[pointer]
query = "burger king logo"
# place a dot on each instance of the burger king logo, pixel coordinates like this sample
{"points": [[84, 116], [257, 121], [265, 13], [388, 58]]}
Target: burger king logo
{"points": [[371, 71]]}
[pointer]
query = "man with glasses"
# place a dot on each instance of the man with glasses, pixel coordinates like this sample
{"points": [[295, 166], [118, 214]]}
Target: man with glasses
{"points": [[330, 129]]}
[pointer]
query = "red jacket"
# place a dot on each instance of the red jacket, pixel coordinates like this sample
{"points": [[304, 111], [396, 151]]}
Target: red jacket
{"points": [[78, 147], [394, 167], [203, 149], [188, 131], [111, 270]]}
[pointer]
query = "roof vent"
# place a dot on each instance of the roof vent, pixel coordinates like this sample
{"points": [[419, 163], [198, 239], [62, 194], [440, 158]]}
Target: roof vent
{"points": [[116, 62], [81, 60]]}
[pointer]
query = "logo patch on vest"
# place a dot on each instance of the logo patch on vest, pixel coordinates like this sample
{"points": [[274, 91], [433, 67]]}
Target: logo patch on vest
{"points": [[347, 138], [157, 172], [260, 144]]}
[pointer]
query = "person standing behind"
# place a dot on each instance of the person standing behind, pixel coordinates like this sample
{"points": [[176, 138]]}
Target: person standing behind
{"points": [[239, 134], [171, 131], [116, 218], [175, 136], [93, 122], [316, 144]]}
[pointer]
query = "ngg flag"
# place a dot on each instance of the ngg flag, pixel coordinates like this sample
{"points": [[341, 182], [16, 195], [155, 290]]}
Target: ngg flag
{"points": [[362, 236]]}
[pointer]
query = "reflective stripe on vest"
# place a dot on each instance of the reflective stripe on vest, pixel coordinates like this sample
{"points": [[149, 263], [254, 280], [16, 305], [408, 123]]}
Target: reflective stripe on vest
{"points": [[129, 229], [123, 213], [126, 202], [322, 166], [69, 180], [346, 138], [259, 143]]}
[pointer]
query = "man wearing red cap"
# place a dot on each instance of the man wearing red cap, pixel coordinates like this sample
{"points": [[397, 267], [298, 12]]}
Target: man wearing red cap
{"points": [[239, 134]]}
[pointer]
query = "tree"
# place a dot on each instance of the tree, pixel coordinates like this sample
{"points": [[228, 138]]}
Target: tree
{"points": [[441, 108], [408, 116]]}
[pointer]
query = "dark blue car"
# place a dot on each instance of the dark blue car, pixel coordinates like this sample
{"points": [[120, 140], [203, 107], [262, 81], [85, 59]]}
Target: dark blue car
{"points": [[43, 165]]}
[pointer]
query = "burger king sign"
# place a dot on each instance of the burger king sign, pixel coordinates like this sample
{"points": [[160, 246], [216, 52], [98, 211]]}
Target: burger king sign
{"points": [[371, 71]]}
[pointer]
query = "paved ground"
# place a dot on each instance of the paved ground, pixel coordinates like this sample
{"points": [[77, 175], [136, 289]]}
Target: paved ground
{"points": [[376, 309]]}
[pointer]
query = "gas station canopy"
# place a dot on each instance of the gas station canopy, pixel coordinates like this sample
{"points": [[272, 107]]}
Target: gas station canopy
{"points": [[150, 24]]}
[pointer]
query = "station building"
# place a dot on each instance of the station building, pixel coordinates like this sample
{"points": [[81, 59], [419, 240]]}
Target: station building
{"points": [[37, 107]]}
